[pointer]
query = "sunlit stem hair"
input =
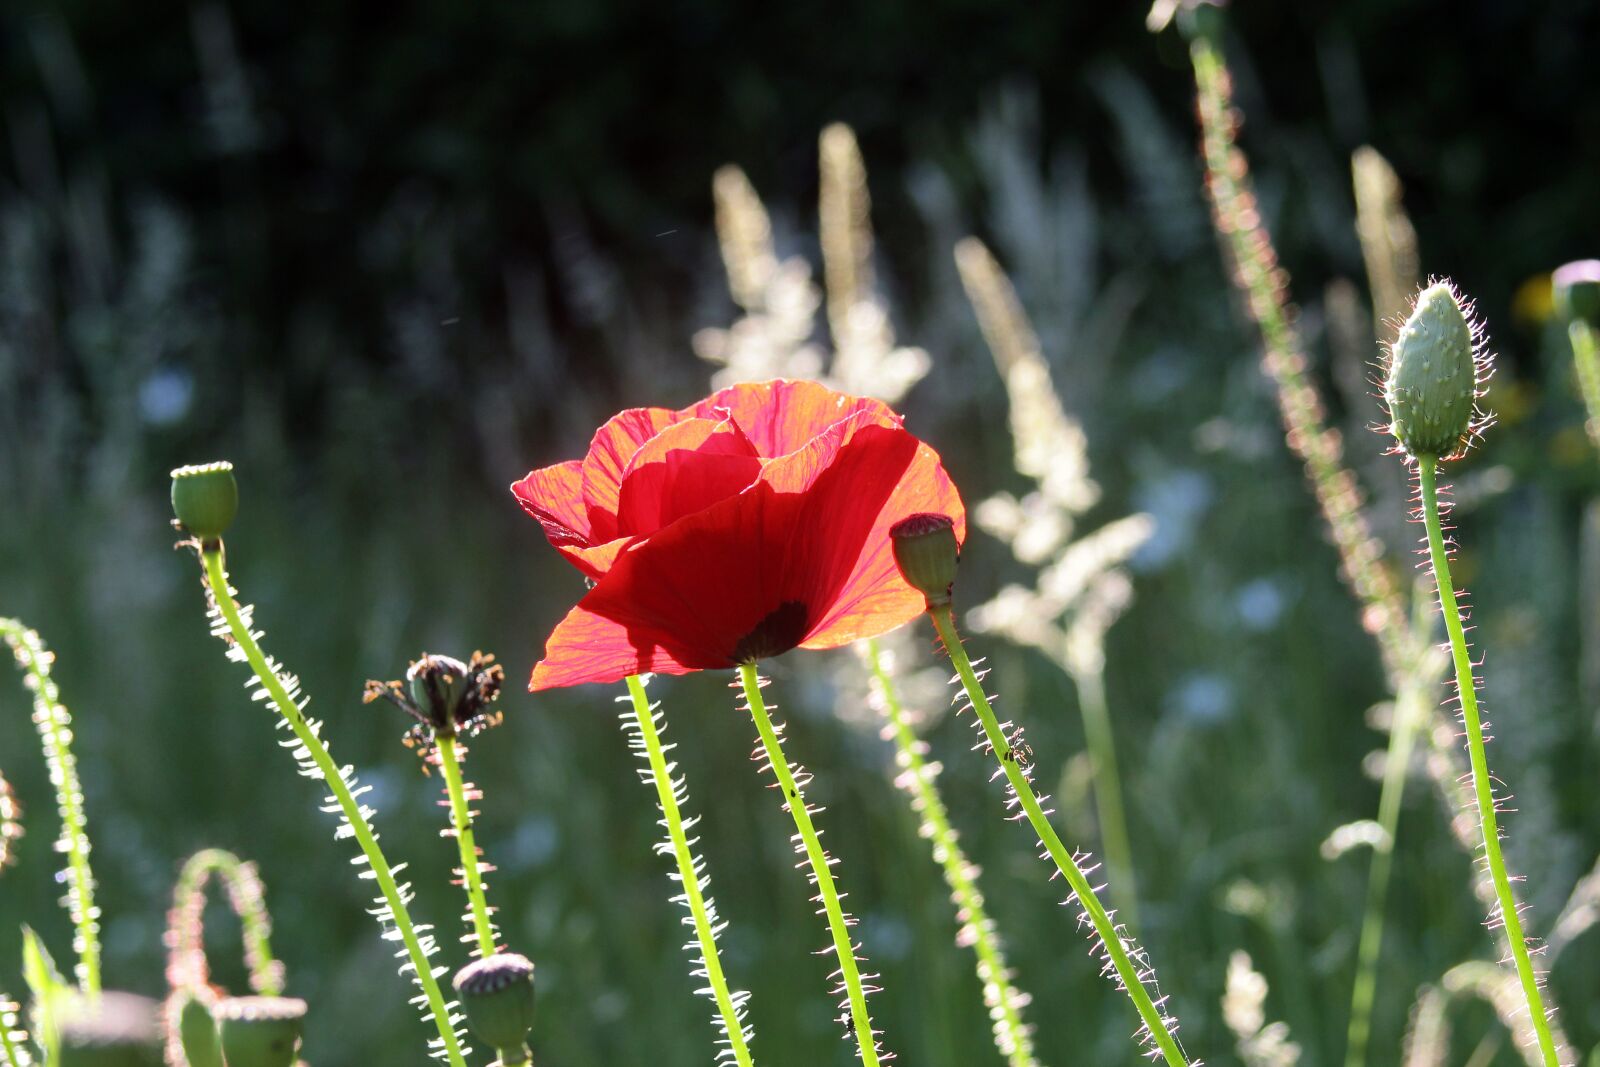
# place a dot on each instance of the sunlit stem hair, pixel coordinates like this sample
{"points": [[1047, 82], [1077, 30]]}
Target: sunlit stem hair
{"points": [[645, 725], [271, 684], [928, 555], [10, 824], [1435, 372], [13, 1038], [918, 778], [791, 780], [54, 723]]}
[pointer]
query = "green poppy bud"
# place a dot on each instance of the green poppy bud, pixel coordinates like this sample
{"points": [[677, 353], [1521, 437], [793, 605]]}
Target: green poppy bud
{"points": [[197, 1032], [260, 1031], [497, 995], [1576, 290], [109, 1030], [926, 550], [1435, 365], [205, 499]]}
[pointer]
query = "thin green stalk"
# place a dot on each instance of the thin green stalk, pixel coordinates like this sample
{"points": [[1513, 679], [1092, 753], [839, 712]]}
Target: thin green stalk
{"points": [[16, 1054], [821, 872], [1011, 1035], [702, 911], [1410, 713], [55, 733], [1108, 793], [1586, 356], [1483, 788], [461, 823], [1115, 945], [355, 815]]}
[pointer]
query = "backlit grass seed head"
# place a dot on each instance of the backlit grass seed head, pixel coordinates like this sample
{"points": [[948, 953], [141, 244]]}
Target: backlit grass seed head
{"points": [[205, 499], [1436, 368]]}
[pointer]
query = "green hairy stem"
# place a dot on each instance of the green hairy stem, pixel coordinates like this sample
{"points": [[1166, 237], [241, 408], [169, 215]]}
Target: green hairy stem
{"points": [[1012, 1035], [187, 967], [1482, 784], [55, 734], [821, 872], [355, 816], [702, 911], [1586, 357], [1115, 945], [461, 824]]}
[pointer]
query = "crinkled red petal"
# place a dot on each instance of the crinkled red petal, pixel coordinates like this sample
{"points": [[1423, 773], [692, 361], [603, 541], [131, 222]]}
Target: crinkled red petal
{"points": [[782, 416], [685, 468], [613, 446]]}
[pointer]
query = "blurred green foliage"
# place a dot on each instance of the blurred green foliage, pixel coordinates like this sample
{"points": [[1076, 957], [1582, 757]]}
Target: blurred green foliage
{"points": [[386, 260]]}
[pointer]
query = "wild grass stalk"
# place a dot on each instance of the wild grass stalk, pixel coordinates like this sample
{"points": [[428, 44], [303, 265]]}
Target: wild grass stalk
{"points": [[54, 724], [918, 778], [645, 724], [205, 499], [853, 986]]}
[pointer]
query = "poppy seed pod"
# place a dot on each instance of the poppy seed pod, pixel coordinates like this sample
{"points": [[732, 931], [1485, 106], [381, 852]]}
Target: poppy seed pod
{"points": [[1434, 368], [109, 1030], [927, 553], [497, 995], [1576, 291], [205, 499], [197, 1032], [260, 1031]]}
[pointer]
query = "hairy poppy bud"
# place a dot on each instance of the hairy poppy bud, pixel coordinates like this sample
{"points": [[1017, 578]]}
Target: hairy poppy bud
{"points": [[497, 995], [260, 1031], [197, 1032], [926, 550], [205, 499], [1432, 384], [1576, 288], [109, 1030]]}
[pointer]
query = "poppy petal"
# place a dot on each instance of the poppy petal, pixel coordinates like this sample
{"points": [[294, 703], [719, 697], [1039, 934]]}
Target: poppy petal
{"points": [[613, 445], [685, 468], [554, 496], [782, 416]]}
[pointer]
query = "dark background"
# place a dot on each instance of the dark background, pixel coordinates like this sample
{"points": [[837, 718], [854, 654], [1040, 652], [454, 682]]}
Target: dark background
{"points": [[388, 257]]}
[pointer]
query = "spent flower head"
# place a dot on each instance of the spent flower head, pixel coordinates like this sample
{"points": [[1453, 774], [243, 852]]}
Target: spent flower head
{"points": [[444, 696]]}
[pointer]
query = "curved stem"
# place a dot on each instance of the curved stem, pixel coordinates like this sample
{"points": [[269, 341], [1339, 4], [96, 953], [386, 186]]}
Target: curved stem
{"points": [[817, 859], [1586, 356], [55, 733], [1409, 714], [705, 928], [1482, 785], [461, 823], [1108, 793], [1003, 1000], [187, 964], [1153, 1018], [355, 817]]}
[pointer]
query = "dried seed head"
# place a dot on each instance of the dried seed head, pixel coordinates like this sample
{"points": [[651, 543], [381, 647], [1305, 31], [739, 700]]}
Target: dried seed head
{"points": [[445, 695], [1436, 366], [1576, 289], [260, 1031], [927, 553], [497, 995], [205, 499]]}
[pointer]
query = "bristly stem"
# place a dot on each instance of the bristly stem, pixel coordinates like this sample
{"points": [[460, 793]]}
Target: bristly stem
{"points": [[355, 816], [1586, 357], [820, 865], [1483, 786], [1131, 977], [1108, 793], [55, 733], [187, 965], [461, 825], [1012, 1036], [1410, 714], [702, 910], [10, 1040]]}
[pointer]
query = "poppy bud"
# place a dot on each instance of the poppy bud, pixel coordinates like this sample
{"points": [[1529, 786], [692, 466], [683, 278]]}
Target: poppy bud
{"points": [[109, 1030], [1576, 288], [205, 499], [197, 1033], [260, 1031], [926, 551], [1432, 384], [497, 995]]}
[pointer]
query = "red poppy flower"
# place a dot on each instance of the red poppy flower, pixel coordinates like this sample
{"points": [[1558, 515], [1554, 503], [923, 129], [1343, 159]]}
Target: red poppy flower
{"points": [[748, 524]]}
